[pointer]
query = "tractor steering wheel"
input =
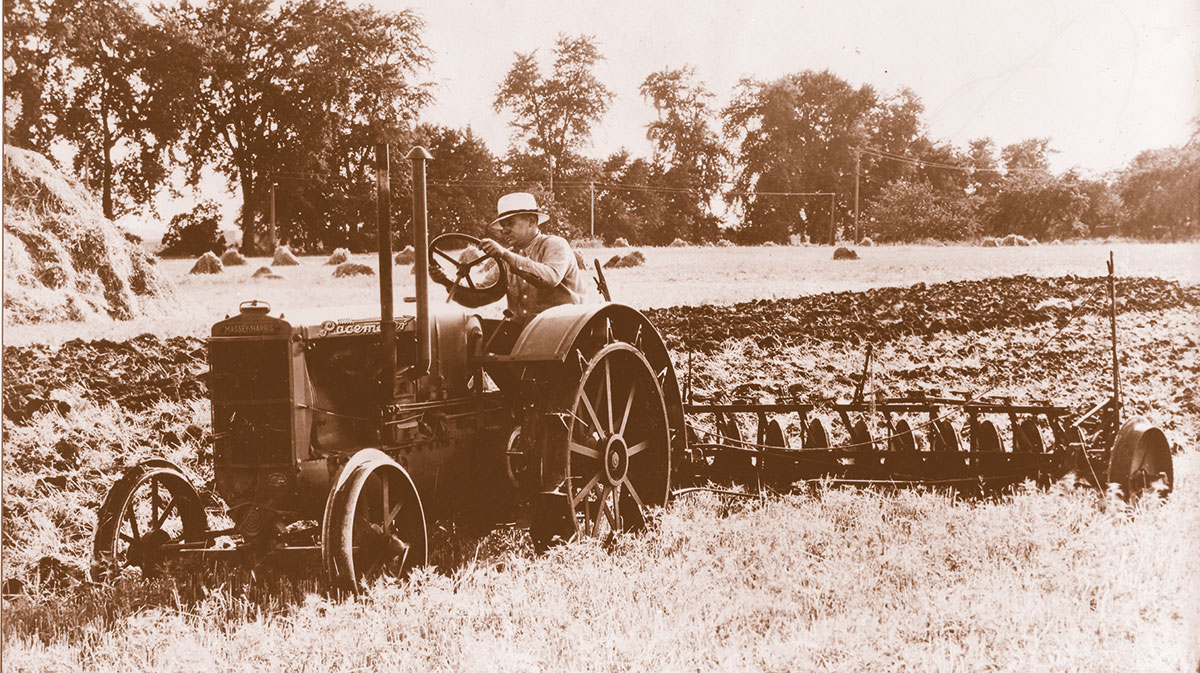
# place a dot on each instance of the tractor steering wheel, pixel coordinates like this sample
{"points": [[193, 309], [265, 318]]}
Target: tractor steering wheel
{"points": [[475, 278]]}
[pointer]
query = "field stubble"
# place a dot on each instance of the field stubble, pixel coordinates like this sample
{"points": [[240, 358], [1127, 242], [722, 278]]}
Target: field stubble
{"points": [[823, 579]]}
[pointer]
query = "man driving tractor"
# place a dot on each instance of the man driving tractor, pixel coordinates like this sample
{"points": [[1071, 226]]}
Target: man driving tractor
{"points": [[542, 271]]}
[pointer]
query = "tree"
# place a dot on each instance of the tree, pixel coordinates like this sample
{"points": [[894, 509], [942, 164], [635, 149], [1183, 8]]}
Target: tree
{"points": [[113, 108], [914, 210], [1039, 205], [194, 233], [688, 151], [462, 180], [628, 204], [798, 134], [984, 166], [1160, 190], [1027, 155], [33, 66], [301, 91], [554, 114]]}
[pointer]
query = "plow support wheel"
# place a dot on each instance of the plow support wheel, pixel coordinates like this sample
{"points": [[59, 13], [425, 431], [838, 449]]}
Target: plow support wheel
{"points": [[1141, 457]]}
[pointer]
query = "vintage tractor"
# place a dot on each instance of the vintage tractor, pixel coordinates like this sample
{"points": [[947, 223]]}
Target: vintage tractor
{"points": [[343, 432]]}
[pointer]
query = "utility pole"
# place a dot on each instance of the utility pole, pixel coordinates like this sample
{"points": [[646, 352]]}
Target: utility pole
{"points": [[857, 166], [832, 229], [592, 189], [271, 220]]}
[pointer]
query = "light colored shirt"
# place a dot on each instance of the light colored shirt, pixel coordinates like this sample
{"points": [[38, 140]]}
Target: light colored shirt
{"points": [[542, 274]]}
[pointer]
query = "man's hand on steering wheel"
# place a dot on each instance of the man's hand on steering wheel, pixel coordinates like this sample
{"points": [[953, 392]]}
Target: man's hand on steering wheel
{"points": [[439, 276], [479, 278], [491, 247]]}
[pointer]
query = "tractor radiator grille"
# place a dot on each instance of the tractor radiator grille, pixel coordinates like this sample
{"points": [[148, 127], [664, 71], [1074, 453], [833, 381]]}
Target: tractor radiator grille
{"points": [[249, 384]]}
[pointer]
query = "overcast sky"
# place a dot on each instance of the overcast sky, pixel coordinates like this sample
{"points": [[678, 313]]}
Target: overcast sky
{"points": [[1103, 79]]}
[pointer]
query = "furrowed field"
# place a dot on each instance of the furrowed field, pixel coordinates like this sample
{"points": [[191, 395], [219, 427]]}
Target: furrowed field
{"points": [[821, 579]]}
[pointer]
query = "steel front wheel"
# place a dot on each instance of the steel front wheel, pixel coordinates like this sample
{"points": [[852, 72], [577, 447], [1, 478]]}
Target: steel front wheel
{"points": [[151, 510], [618, 457], [375, 526]]}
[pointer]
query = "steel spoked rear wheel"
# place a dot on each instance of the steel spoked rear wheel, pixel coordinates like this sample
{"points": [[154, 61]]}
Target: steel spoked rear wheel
{"points": [[377, 527], [618, 457], [151, 510]]}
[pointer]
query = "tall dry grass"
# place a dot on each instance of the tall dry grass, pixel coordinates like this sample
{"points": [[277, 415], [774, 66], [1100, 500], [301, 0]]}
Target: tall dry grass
{"points": [[826, 579]]}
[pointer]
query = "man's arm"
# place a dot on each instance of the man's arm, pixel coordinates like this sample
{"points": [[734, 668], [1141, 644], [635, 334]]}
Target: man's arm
{"points": [[557, 259]]}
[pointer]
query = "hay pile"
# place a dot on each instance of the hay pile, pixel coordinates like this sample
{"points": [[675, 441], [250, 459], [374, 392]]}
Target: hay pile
{"points": [[844, 253], [339, 256], [678, 243], [352, 269], [1012, 240], [62, 259], [635, 258], [621, 243], [406, 256], [207, 263], [232, 257], [265, 272], [284, 257]]}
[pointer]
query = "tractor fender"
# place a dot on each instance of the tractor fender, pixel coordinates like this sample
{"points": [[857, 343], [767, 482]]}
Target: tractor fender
{"points": [[550, 335], [554, 334]]}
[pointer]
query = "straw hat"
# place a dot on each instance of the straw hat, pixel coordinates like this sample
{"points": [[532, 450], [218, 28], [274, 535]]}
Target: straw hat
{"points": [[519, 203]]}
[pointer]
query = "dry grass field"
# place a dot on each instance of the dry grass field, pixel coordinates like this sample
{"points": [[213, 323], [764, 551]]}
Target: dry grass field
{"points": [[826, 579]]}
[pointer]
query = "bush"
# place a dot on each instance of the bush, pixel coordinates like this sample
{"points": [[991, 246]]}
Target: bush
{"points": [[195, 233]]}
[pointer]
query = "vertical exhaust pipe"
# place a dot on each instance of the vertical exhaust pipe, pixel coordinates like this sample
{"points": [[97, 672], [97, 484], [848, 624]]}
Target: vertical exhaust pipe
{"points": [[387, 321], [419, 155]]}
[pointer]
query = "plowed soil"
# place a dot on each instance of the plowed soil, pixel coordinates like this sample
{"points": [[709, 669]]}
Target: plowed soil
{"points": [[885, 314], [138, 373]]}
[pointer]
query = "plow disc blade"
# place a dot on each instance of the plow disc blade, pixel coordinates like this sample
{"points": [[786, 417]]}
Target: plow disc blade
{"points": [[815, 437], [943, 436], [986, 437], [902, 438]]}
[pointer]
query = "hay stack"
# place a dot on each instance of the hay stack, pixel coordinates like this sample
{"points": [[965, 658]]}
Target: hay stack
{"points": [[866, 242], [339, 256], [724, 243], [352, 269], [844, 253], [406, 256], [284, 257], [635, 258], [621, 243], [207, 263], [678, 243], [265, 272], [990, 243], [1017, 240], [232, 257], [62, 259]]}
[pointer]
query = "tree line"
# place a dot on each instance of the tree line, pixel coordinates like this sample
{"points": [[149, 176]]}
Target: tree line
{"points": [[286, 101]]}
